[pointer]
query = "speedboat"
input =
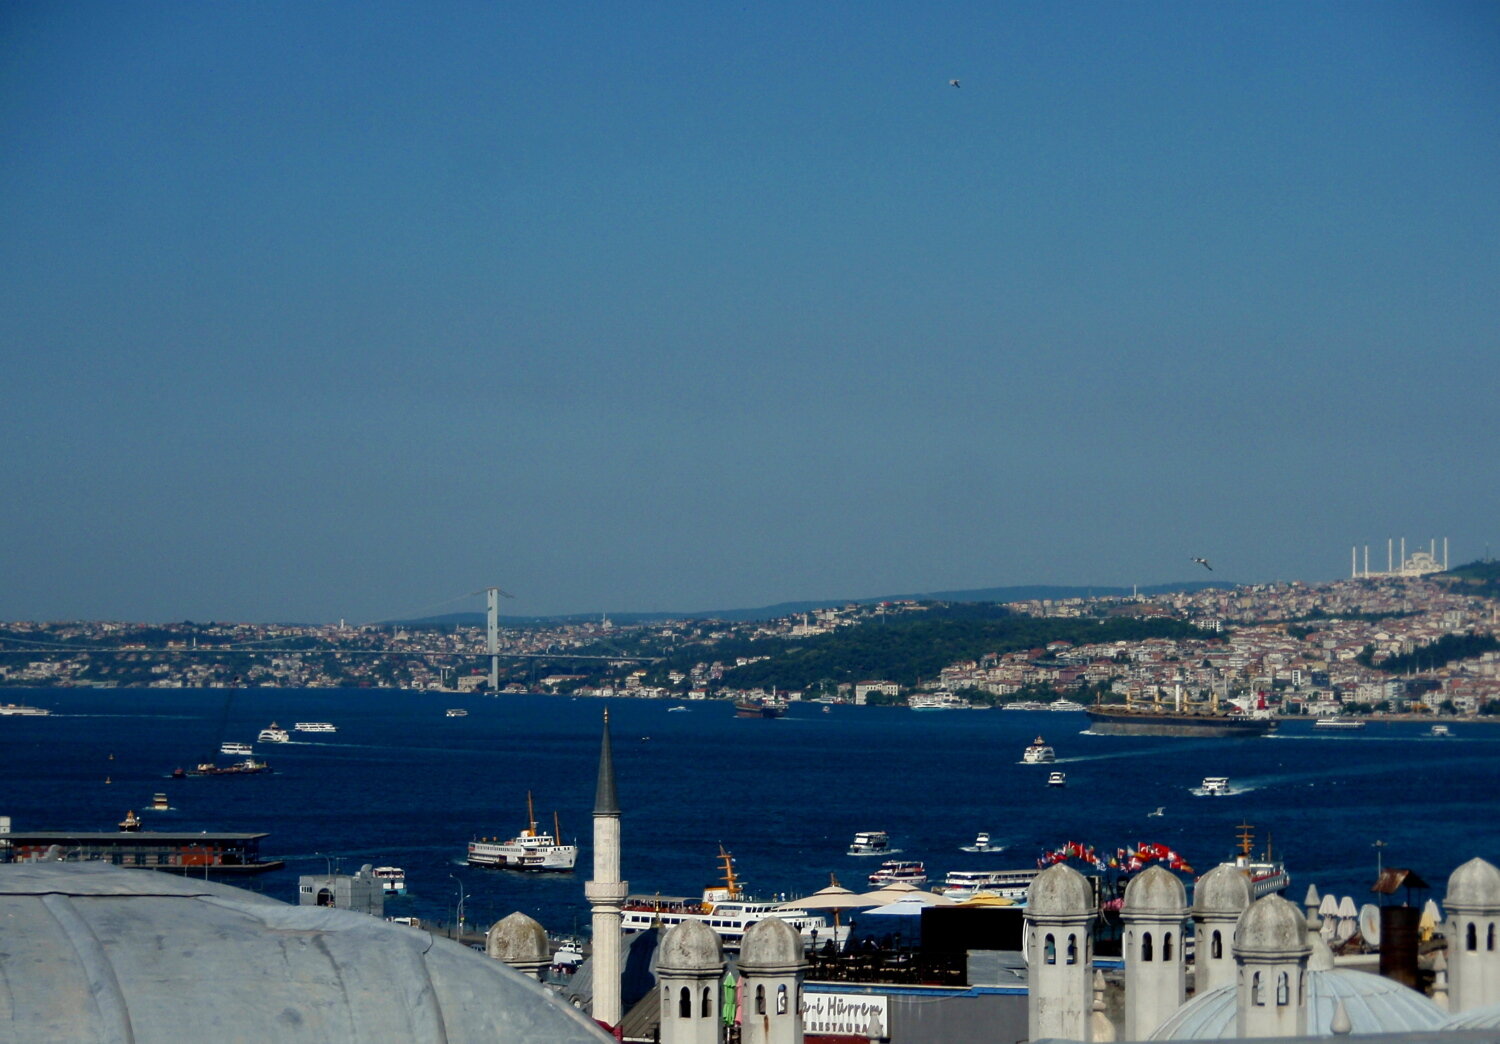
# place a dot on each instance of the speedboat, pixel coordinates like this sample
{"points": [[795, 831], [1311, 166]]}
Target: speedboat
{"points": [[982, 844], [455, 712], [392, 879], [1038, 753], [872, 842], [242, 749], [909, 871], [1440, 730], [274, 733], [679, 709], [1057, 779], [315, 726], [1214, 786]]}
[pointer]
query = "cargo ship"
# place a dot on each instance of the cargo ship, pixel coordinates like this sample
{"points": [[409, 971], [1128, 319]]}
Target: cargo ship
{"points": [[1178, 717]]}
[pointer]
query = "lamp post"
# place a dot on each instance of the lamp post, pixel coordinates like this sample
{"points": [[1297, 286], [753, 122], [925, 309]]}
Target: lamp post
{"points": [[1379, 847], [460, 910]]}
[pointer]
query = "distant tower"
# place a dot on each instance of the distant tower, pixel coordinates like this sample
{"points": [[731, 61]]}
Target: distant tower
{"points": [[1219, 898], [772, 966], [520, 942], [492, 639], [1059, 952], [1271, 951], [689, 969], [1473, 905], [1154, 910], [606, 892]]}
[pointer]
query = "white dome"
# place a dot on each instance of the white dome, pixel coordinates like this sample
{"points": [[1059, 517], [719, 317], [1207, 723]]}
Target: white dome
{"points": [[1474, 886], [1373, 1004], [691, 946], [1271, 926], [1224, 891], [1060, 891]]}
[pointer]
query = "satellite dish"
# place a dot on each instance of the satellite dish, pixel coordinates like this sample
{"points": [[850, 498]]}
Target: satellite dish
{"points": [[1369, 923]]}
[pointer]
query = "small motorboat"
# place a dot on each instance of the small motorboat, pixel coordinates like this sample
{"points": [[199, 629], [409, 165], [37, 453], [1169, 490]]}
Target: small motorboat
{"points": [[982, 844], [1440, 731], [1057, 779]]}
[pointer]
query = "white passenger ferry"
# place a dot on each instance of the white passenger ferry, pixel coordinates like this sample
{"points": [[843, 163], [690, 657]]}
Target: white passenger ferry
{"points": [[530, 850], [909, 871], [1038, 753], [728, 911], [872, 842], [1338, 724], [392, 879], [964, 884], [1268, 876], [1214, 786], [242, 749], [315, 726], [933, 701], [274, 733]]}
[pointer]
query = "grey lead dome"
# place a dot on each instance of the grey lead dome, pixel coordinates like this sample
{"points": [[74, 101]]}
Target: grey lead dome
{"points": [[1474, 886], [1060, 891], [1155, 891], [1223, 890], [689, 947], [94, 953], [771, 943], [1271, 926]]}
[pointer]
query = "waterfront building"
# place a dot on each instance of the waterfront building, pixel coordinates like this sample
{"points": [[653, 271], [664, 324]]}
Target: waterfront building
{"points": [[362, 892]]}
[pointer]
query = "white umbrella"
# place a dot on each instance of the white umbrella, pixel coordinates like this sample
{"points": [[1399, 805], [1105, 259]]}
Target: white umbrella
{"points": [[1348, 919], [911, 906], [1328, 911], [835, 897], [892, 893]]}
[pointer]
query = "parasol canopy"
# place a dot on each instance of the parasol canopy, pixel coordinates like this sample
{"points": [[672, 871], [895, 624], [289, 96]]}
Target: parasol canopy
{"points": [[834, 897]]}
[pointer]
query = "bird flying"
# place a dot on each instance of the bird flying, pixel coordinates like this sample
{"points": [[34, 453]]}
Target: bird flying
{"points": [[1204, 563], [952, 83]]}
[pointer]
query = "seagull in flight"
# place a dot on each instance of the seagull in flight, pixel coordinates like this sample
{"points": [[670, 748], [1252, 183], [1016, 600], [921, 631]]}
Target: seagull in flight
{"points": [[1204, 563], [952, 83], [1161, 810]]}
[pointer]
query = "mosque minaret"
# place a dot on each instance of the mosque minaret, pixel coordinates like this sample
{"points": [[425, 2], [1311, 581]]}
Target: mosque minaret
{"points": [[606, 892]]}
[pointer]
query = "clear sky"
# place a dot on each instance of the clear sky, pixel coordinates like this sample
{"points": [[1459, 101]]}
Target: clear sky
{"points": [[323, 310]]}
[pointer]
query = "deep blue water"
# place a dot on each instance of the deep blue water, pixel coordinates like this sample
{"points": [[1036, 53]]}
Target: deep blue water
{"points": [[401, 784]]}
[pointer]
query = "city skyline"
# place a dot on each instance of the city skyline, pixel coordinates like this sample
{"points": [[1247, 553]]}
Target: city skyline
{"points": [[339, 312]]}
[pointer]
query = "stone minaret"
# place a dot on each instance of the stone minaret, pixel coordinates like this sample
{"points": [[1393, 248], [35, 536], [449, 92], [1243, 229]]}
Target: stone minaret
{"points": [[1154, 912], [689, 973], [1060, 909], [606, 892], [520, 942], [1473, 931], [1271, 951], [1220, 897], [772, 965]]}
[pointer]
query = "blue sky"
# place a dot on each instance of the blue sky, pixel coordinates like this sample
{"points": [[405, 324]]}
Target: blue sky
{"points": [[343, 310]]}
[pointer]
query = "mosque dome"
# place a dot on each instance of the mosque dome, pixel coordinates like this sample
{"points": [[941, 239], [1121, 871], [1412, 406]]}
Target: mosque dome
{"points": [[1224, 891], [1271, 926], [1155, 891], [691, 946], [1486, 1018], [96, 952], [1060, 891], [1475, 885], [771, 943], [518, 939], [1372, 1003]]}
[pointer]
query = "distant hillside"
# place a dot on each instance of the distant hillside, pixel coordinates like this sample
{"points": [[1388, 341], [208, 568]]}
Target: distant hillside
{"points": [[1481, 577], [772, 612]]}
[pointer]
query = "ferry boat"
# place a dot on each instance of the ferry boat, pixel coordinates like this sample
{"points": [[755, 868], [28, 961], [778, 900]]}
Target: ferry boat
{"points": [[1038, 753], [910, 871], [1268, 876], [1067, 705], [1214, 786], [964, 884], [728, 911], [248, 767], [159, 803], [242, 749], [981, 844], [273, 733], [1338, 724], [315, 726], [455, 712], [22, 710], [392, 879], [530, 850], [935, 701], [1440, 730], [1057, 779], [872, 842]]}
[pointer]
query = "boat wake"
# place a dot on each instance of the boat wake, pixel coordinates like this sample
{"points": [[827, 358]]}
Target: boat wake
{"points": [[1234, 790]]}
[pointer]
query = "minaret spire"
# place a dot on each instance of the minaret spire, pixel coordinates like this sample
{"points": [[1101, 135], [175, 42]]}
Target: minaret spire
{"points": [[606, 892]]}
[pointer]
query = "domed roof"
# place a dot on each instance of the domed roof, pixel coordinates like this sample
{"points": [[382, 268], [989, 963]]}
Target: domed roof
{"points": [[691, 946], [1223, 891], [1373, 1004], [1271, 925], [1060, 891], [95, 952], [1476, 884], [1486, 1018], [771, 943], [517, 939], [1155, 891]]}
